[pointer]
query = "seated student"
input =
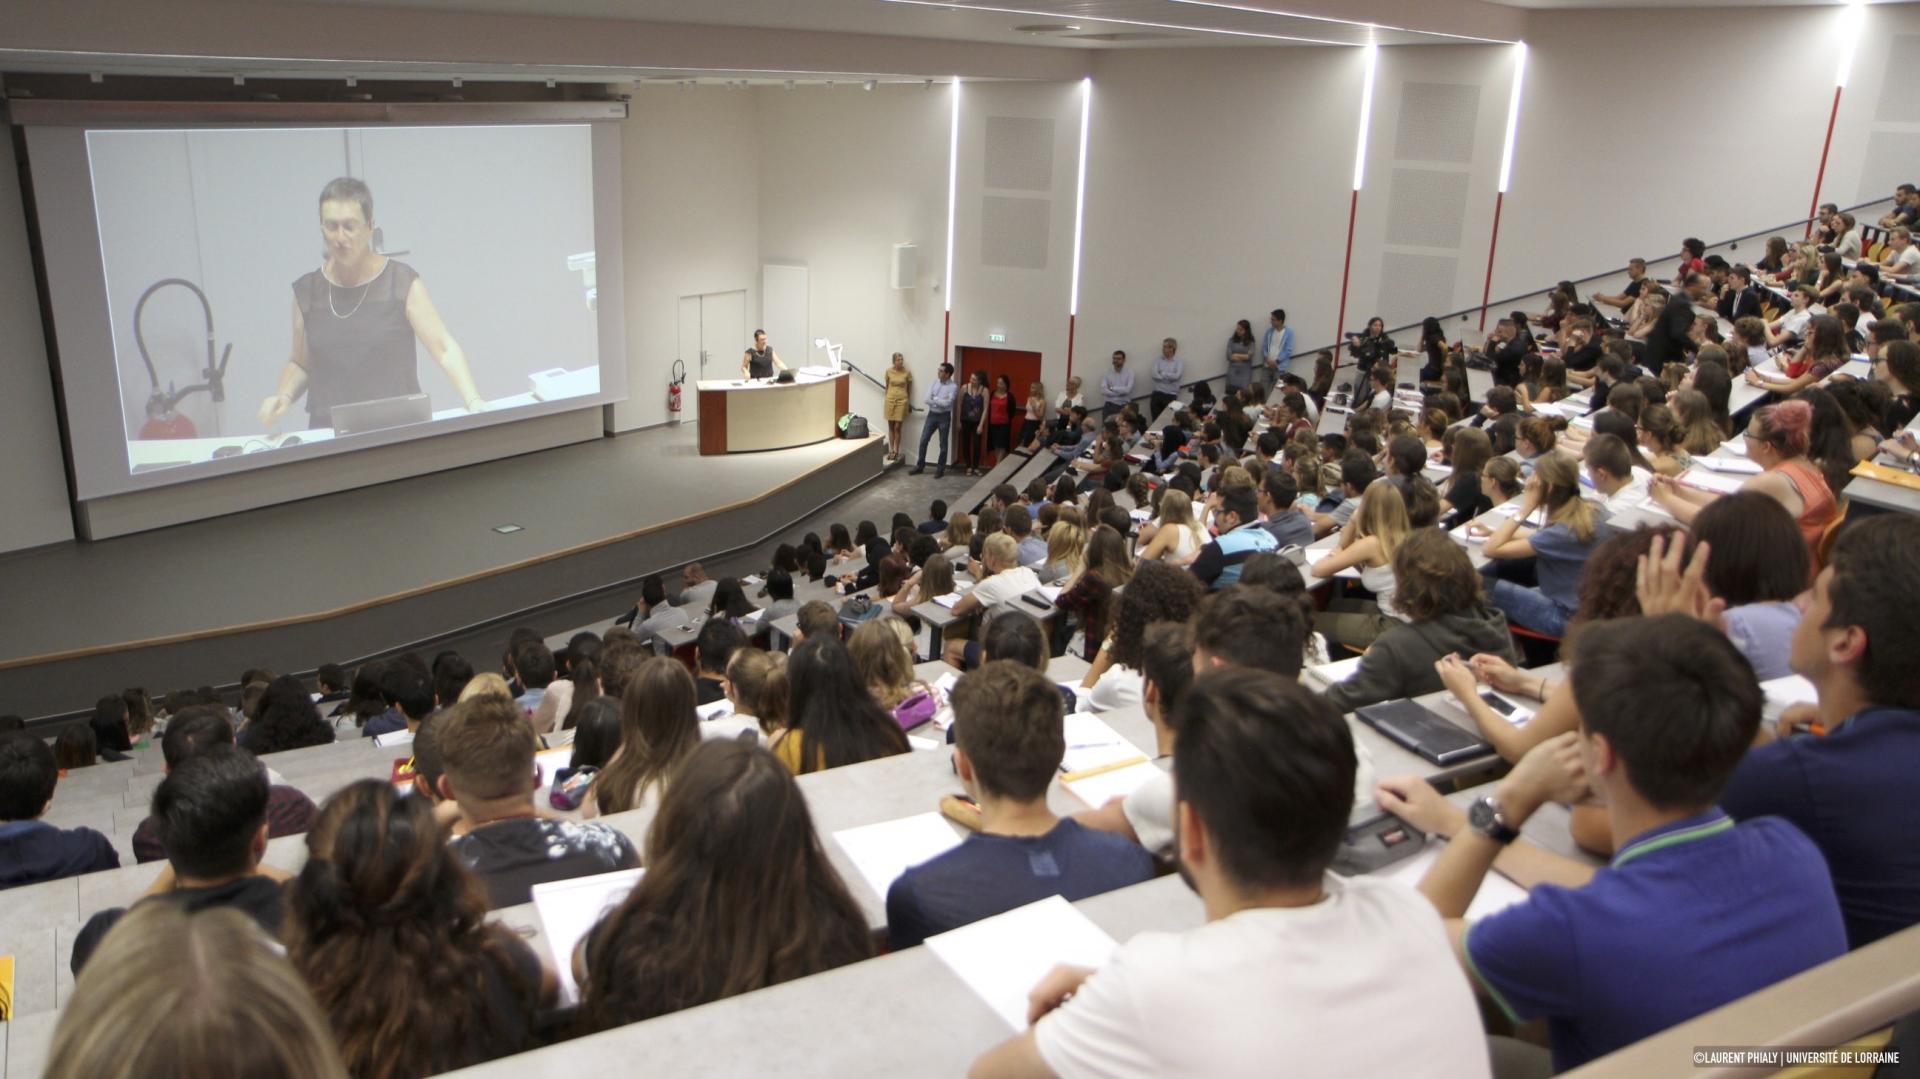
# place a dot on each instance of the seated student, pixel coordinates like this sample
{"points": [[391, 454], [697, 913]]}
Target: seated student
{"points": [[1263, 769], [1693, 911], [1367, 544], [738, 895], [32, 851], [183, 993], [408, 697], [832, 718], [1436, 588], [1357, 473], [451, 673], [287, 719], [1745, 574], [390, 930], [1848, 790], [531, 666], [1286, 522], [652, 614], [1610, 466], [213, 823], [1156, 593], [747, 674], [1146, 815], [780, 601], [1777, 439], [1559, 549], [112, 740], [816, 618], [1002, 579], [289, 812], [712, 648], [658, 729], [487, 748], [936, 521], [1007, 750], [1239, 537]]}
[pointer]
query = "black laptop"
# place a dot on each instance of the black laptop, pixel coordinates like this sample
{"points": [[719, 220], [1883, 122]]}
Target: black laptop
{"points": [[1423, 732], [381, 413]]}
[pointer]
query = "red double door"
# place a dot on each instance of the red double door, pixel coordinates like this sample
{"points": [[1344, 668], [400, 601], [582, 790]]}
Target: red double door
{"points": [[1021, 368]]}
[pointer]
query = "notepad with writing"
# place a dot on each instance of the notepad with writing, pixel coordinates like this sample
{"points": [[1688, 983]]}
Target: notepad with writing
{"points": [[569, 909], [883, 851], [1094, 747], [1003, 957]]}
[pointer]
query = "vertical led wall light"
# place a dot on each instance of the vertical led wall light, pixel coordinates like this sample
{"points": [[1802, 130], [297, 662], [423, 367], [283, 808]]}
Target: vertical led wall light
{"points": [[1506, 168], [1079, 215], [1359, 180]]}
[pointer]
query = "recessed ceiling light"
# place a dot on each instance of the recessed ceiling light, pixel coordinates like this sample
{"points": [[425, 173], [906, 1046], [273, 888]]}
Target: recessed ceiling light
{"points": [[1046, 28]]}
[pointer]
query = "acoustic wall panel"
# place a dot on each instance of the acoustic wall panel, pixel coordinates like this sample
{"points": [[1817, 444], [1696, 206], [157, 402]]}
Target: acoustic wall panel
{"points": [[1426, 207], [1019, 153], [1013, 232], [1437, 121]]}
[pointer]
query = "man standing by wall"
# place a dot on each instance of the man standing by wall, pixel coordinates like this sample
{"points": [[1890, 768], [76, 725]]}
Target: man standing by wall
{"points": [[1168, 372], [1116, 386], [939, 418], [1276, 354]]}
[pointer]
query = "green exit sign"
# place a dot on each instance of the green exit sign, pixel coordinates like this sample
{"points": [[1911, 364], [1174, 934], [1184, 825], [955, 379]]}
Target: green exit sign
{"points": [[997, 338]]}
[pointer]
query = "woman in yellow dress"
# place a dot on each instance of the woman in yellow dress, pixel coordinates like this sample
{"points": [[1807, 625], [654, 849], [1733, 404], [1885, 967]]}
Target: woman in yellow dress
{"points": [[899, 392]]}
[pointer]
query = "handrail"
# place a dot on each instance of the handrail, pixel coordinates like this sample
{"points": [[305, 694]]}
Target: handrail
{"points": [[1492, 304]]}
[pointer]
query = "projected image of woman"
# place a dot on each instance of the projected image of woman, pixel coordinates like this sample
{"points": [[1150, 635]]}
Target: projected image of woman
{"points": [[355, 320]]}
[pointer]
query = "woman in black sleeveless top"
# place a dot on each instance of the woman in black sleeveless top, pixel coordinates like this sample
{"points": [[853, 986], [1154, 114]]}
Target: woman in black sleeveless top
{"points": [[355, 321], [761, 360]]}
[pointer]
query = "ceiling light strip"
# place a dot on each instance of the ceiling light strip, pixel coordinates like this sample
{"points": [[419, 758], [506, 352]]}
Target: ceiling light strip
{"points": [[1119, 22]]}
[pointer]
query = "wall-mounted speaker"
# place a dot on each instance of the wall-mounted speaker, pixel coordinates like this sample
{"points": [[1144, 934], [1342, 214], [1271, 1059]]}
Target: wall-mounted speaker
{"points": [[906, 265]]}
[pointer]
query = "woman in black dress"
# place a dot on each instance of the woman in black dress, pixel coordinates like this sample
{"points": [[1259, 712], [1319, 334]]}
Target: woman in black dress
{"points": [[973, 412], [355, 321]]}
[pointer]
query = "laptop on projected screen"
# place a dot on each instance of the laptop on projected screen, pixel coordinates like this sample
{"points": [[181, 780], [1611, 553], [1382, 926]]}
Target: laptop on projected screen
{"points": [[381, 413]]}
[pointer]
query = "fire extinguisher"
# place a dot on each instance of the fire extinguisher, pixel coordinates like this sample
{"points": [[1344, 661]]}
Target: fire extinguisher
{"points": [[673, 391]]}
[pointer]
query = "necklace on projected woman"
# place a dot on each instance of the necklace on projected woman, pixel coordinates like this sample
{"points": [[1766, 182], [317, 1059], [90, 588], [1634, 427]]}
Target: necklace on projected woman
{"points": [[365, 287]]}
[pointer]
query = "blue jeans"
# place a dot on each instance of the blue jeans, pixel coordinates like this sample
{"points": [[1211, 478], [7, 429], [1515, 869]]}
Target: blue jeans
{"points": [[936, 421], [1529, 607]]}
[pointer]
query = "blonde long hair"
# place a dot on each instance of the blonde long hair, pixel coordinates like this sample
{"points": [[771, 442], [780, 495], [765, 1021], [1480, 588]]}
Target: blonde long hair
{"points": [[1382, 515], [1559, 476], [171, 993], [1176, 511], [1067, 547]]}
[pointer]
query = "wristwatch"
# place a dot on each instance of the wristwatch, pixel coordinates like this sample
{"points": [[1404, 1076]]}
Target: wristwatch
{"points": [[1484, 817]]}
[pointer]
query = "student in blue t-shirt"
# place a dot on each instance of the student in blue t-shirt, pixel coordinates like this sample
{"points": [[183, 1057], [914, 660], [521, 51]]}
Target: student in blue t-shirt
{"points": [[1009, 746], [1693, 911], [1559, 550], [1850, 790]]}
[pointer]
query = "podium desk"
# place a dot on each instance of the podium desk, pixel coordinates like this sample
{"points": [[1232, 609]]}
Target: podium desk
{"points": [[744, 415]]}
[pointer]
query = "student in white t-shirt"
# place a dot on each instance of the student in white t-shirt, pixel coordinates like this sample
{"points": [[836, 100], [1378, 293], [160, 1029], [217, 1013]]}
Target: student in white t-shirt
{"points": [[1003, 579], [1296, 969]]}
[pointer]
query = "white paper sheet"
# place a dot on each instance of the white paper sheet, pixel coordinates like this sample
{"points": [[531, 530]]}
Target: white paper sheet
{"points": [[1711, 481], [549, 761], [719, 709], [391, 739], [947, 600], [1781, 693], [923, 744], [1327, 675], [1496, 893], [1003, 957], [883, 851], [1731, 465], [568, 909], [1092, 744]]}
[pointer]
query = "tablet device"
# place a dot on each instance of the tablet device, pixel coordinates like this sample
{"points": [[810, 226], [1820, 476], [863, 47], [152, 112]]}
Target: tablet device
{"points": [[1423, 732]]}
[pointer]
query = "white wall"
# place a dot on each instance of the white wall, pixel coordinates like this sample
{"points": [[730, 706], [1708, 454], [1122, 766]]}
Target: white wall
{"points": [[1214, 192], [1640, 128], [1026, 305], [692, 166], [849, 174], [37, 510]]}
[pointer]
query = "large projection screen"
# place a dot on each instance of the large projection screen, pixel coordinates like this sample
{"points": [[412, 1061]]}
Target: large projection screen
{"points": [[481, 289]]}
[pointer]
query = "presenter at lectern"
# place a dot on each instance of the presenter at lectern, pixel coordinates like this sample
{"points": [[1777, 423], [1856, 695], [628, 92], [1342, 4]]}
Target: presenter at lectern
{"points": [[761, 360], [355, 320]]}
